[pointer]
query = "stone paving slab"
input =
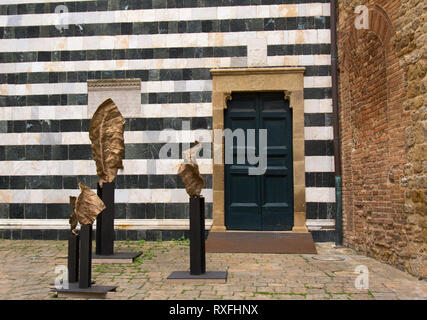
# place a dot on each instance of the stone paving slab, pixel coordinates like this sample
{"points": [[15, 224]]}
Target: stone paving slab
{"points": [[27, 271]]}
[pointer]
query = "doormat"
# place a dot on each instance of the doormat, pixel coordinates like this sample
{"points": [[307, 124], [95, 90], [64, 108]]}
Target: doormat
{"points": [[260, 242]]}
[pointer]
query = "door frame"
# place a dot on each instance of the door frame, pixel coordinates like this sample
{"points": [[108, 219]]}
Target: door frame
{"points": [[289, 80]]}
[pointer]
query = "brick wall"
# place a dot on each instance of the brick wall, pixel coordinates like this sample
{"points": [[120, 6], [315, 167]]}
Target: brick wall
{"points": [[382, 83]]}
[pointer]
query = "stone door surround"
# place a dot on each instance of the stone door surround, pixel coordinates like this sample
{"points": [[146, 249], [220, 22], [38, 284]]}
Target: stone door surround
{"points": [[290, 80]]}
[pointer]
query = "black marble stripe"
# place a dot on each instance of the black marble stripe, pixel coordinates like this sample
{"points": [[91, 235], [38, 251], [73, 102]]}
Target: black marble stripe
{"points": [[122, 210], [84, 151], [319, 147], [113, 5], [320, 210], [298, 49], [318, 119], [137, 124], [71, 182], [132, 124], [320, 179], [158, 53], [132, 151], [144, 75], [168, 27], [124, 54], [146, 98]]}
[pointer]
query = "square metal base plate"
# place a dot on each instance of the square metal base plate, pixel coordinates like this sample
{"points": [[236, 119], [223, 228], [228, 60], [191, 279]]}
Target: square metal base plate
{"points": [[118, 257], [207, 277], [98, 292]]}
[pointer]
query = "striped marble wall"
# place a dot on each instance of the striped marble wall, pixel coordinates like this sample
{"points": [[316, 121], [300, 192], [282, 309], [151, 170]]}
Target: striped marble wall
{"points": [[170, 45]]}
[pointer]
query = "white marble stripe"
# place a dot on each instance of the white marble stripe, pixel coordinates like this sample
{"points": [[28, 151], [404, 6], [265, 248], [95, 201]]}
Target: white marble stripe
{"points": [[121, 195], [173, 110], [320, 194], [66, 138], [35, 1], [318, 106], [165, 40], [167, 14], [299, 60], [320, 224], [319, 164], [133, 224], [146, 86], [147, 64], [142, 166], [87, 167], [176, 110], [119, 224], [318, 82], [319, 133], [136, 195], [81, 87]]}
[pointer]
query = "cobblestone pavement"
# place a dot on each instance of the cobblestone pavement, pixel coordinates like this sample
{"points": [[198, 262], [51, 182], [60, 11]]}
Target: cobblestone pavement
{"points": [[27, 271]]}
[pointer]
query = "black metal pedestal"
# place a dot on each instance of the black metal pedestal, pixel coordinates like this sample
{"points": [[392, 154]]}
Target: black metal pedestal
{"points": [[197, 247], [73, 258], [85, 279], [104, 252], [105, 220], [197, 236], [80, 268]]}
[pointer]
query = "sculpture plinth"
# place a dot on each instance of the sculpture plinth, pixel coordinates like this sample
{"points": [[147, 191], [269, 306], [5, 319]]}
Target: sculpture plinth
{"points": [[197, 248], [105, 220], [197, 236], [104, 252], [73, 258]]}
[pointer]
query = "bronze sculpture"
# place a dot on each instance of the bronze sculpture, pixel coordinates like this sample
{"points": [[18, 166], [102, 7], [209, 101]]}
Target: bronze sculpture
{"points": [[86, 207], [106, 133], [189, 171]]}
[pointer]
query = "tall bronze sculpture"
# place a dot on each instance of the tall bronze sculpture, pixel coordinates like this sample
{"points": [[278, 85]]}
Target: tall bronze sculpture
{"points": [[106, 133]]}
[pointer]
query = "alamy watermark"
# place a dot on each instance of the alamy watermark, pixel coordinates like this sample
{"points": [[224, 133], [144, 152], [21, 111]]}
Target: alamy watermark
{"points": [[62, 12], [362, 280], [244, 151], [362, 20], [61, 281]]}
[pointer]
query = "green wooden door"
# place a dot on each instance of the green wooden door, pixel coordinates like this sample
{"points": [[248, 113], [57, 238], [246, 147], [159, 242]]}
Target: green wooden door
{"points": [[260, 202]]}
